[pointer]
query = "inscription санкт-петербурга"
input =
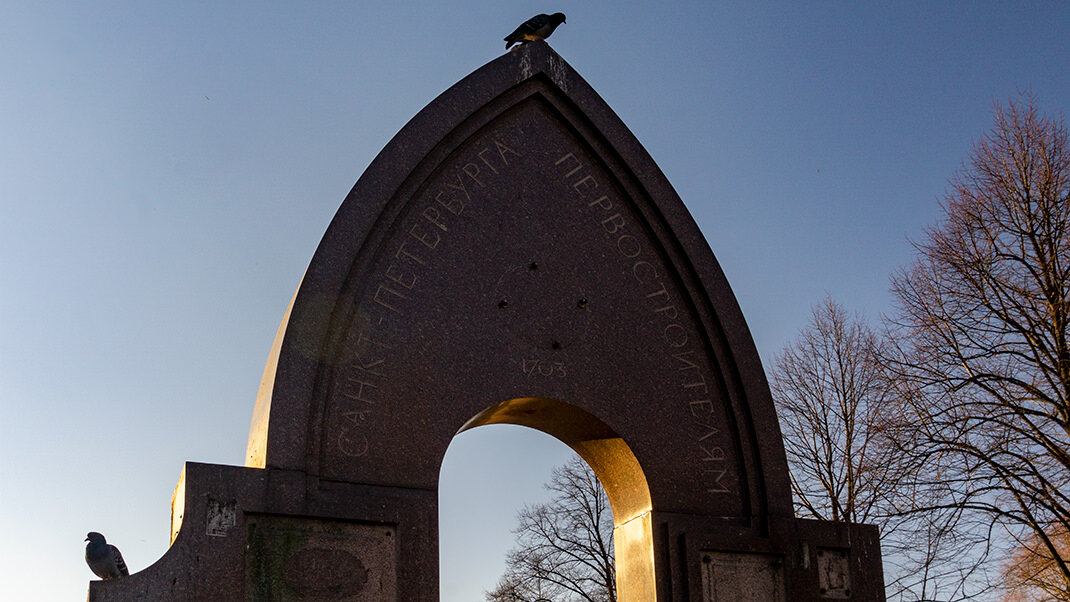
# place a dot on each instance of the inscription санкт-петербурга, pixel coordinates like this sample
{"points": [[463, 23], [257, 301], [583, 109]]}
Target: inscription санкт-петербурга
{"points": [[363, 373]]}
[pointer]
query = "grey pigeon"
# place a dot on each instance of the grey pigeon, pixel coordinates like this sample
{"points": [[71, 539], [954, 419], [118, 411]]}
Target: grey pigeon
{"points": [[536, 28], [104, 559]]}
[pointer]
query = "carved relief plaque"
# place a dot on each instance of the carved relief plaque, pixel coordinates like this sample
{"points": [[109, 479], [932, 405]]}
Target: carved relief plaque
{"points": [[313, 560], [833, 573], [222, 516]]}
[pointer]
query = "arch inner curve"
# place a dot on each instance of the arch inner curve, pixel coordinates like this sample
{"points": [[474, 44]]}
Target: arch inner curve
{"points": [[613, 463]]}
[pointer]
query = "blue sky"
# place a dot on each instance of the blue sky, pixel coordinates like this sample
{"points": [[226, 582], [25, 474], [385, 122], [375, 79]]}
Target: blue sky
{"points": [[167, 170]]}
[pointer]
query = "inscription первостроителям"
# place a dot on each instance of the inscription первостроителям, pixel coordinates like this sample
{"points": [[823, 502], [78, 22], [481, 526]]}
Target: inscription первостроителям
{"points": [[629, 247]]}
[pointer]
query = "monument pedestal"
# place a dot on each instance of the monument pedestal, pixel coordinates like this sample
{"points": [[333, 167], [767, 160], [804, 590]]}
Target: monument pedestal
{"points": [[268, 534]]}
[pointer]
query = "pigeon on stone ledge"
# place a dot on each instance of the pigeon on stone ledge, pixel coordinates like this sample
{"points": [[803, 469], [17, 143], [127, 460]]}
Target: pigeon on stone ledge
{"points": [[104, 559], [536, 28]]}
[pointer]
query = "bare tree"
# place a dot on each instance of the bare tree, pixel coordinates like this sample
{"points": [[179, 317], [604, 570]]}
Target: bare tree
{"points": [[564, 547], [1030, 573], [837, 410], [832, 399], [983, 353]]}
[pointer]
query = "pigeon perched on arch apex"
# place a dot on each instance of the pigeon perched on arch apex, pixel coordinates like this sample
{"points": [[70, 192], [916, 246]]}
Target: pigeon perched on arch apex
{"points": [[104, 559], [534, 29]]}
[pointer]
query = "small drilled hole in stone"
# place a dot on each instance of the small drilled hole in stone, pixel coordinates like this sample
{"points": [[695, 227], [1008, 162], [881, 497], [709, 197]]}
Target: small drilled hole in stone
{"points": [[503, 304], [533, 266], [555, 345], [582, 303]]}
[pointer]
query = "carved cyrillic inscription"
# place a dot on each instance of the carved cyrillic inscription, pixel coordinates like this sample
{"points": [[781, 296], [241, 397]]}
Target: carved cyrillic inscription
{"points": [[416, 249], [548, 306], [624, 237], [366, 361], [359, 391]]}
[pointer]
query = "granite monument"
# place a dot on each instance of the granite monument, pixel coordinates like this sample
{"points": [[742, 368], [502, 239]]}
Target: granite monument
{"points": [[512, 256]]}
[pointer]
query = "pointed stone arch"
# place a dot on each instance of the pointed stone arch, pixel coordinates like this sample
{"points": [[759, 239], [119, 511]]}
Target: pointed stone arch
{"points": [[453, 276], [512, 255]]}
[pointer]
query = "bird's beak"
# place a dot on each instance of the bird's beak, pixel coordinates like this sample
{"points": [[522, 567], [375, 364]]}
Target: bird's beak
{"points": [[86, 539]]}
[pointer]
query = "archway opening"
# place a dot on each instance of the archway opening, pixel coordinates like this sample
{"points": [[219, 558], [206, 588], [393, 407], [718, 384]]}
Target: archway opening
{"points": [[488, 475], [617, 470]]}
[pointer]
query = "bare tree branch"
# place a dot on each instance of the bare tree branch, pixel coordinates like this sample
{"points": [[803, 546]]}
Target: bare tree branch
{"points": [[838, 411], [564, 547], [982, 354]]}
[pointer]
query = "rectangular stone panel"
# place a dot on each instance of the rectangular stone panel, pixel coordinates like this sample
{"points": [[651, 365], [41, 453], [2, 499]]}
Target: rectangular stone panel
{"points": [[833, 573], [742, 577], [320, 560]]}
